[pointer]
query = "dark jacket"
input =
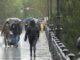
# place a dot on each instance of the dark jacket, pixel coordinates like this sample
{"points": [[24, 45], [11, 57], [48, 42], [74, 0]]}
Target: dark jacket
{"points": [[32, 32], [26, 26], [16, 29], [38, 25]]}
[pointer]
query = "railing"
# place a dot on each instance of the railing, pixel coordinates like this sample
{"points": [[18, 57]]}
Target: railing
{"points": [[56, 47]]}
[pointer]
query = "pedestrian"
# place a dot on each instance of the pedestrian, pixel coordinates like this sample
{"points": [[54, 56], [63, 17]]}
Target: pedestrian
{"points": [[6, 32], [16, 30], [26, 25], [32, 34], [39, 28], [42, 26]]}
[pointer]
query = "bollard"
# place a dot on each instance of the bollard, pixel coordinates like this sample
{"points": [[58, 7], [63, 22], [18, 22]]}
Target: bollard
{"points": [[62, 47], [60, 44], [65, 51], [56, 39], [71, 56], [51, 27]]}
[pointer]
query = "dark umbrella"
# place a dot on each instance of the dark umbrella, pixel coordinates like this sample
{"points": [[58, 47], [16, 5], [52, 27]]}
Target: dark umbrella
{"points": [[27, 20]]}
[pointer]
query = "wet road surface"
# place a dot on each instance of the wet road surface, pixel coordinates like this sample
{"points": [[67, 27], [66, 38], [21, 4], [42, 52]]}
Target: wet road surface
{"points": [[22, 52]]}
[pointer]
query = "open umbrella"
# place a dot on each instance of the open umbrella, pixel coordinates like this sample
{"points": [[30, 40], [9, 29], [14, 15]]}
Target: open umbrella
{"points": [[13, 19], [27, 20]]}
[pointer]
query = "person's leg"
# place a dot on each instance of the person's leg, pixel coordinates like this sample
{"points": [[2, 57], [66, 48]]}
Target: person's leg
{"points": [[34, 52], [38, 35], [31, 51], [30, 43], [8, 39], [5, 40], [34, 47], [17, 39], [14, 40]]}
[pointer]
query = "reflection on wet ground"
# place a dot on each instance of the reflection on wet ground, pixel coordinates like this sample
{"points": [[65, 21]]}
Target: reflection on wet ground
{"points": [[22, 52], [10, 54]]}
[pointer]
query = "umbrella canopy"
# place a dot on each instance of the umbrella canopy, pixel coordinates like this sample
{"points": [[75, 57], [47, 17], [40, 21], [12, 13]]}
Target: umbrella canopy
{"points": [[13, 19], [27, 20]]}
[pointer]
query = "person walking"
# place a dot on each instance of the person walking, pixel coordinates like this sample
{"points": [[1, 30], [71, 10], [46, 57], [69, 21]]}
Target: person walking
{"points": [[16, 30], [6, 32], [32, 34], [42, 26]]}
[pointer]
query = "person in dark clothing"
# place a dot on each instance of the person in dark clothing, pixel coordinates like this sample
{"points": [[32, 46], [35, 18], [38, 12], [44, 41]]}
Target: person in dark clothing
{"points": [[26, 26], [32, 34], [16, 29], [39, 28]]}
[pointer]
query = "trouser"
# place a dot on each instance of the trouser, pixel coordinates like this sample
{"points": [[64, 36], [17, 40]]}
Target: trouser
{"points": [[33, 42], [16, 39], [6, 39]]}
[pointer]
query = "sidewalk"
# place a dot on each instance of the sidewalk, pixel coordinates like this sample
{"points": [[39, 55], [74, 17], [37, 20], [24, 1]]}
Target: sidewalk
{"points": [[22, 52]]}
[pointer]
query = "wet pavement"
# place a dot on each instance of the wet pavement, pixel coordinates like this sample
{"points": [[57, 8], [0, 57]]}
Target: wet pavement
{"points": [[22, 52]]}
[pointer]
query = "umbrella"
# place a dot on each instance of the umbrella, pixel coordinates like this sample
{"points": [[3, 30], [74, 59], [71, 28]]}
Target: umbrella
{"points": [[27, 20], [13, 19]]}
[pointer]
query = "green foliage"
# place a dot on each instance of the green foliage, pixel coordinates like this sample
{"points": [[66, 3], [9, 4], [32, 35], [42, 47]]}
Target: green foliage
{"points": [[70, 16], [10, 8], [70, 20]]}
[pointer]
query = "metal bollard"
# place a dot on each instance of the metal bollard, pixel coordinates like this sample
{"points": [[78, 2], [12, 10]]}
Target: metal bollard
{"points": [[65, 51], [62, 47], [56, 39], [71, 55], [60, 44]]}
